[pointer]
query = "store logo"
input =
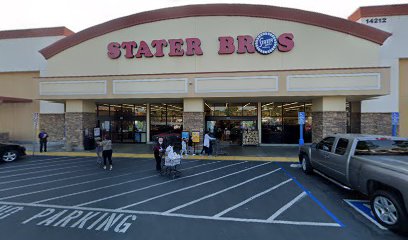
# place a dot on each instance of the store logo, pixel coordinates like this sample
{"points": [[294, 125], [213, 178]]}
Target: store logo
{"points": [[266, 43]]}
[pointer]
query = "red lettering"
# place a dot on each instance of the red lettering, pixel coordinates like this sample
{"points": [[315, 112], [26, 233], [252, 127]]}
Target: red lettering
{"points": [[159, 44], [245, 44], [193, 47], [129, 48], [175, 47], [286, 42], [226, 45], [113, 50], [143, 50]]}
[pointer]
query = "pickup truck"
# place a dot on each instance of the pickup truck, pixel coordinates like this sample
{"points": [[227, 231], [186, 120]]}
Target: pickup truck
{"points": [[376, 166]]}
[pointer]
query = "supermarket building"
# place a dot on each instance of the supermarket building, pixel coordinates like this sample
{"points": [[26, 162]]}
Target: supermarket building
{"points": [[232, 69]]}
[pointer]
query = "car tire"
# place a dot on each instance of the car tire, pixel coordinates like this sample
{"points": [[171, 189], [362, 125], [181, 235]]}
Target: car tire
{"points": [[389, 210], [10, 156], [306, 165]]}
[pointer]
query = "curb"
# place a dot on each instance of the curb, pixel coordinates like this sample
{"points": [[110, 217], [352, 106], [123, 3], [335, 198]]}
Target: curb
{"points": [[134, 155]]}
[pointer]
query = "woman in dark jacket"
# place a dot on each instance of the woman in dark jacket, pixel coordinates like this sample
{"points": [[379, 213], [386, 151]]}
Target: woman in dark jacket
{"points": [[158, 150]]}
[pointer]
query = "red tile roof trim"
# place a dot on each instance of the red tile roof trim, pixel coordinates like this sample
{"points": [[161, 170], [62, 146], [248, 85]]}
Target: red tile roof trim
{"points": [[245, 10], [379, 11], [35, 32]]}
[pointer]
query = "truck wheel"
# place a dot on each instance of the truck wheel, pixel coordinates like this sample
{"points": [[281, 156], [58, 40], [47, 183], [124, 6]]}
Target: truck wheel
{"points": [[389, 210], [306, 166]]}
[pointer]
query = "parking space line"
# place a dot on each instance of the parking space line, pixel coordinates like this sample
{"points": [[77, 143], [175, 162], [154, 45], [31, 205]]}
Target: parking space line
{"points": [[72, 185], [49, 170], [286, 206], [162, 183], [321, 224], [192, 186], [327, 211], [51, 165], [58, 180], [219, 192], [251, 198], [45, 176], [99, 188], [32, 162]]}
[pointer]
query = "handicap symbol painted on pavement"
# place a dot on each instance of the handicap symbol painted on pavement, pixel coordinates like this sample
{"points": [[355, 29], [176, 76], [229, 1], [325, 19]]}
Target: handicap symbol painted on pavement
{"points": [[363, 207]]}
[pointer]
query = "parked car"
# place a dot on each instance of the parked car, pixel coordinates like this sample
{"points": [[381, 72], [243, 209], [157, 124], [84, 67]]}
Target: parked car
{"points": [[11, 152], [376, 166]]}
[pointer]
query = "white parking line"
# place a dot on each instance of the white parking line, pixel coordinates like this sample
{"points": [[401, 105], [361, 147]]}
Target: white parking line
{"points": [[58, 180], [286, 206], [99, 188], [321, 224], [33, 162], [251, 198], [71, 185], [219, 192], [192, 186], [45, 166], [45, 176], [48, 170], [158, 184]]}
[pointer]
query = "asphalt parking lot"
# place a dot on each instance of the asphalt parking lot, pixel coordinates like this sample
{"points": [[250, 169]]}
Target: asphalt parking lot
{"points": [[73, 198]]}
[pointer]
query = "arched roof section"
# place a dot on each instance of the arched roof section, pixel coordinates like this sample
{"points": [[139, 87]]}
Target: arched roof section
{"points": [[244, 10]]}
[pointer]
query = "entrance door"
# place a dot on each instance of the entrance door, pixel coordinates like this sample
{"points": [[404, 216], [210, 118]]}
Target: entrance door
{"points": [[123, 131], [229, 131]]}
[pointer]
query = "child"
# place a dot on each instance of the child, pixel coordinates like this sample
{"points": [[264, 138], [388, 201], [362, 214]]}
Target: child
{"points": [[99, 150], [183, 147]]}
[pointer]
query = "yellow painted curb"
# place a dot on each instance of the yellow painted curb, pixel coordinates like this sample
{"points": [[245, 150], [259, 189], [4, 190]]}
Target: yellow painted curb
{"points": [[134, 155]]}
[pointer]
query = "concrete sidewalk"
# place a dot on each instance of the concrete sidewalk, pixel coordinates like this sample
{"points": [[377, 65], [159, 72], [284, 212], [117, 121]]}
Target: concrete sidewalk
{"points": [[232, 152]]}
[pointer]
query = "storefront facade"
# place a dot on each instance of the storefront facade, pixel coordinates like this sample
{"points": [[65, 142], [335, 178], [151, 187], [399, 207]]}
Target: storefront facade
{"points": [[228, 67]]}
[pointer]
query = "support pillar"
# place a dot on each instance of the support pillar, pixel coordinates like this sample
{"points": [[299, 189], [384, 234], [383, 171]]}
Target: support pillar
{"points": [[329, 116], [193, 116], [355, 117], [147, 122], [80, 116]]}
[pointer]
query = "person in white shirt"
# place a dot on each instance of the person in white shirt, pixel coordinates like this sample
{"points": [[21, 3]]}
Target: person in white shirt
{"points": [[183, 147], [107, 151], [207, 140]]}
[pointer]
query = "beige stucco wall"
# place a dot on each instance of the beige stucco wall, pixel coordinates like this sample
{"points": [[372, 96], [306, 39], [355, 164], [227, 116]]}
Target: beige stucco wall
{"points": [[315, 48], [17, 120], [18, 84], [359, 82], [334, 104], [76, 106], [193, 105], [403, 97]]}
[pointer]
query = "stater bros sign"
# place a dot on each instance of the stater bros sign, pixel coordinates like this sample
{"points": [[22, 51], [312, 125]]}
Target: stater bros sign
{"points": [[265, 43]]}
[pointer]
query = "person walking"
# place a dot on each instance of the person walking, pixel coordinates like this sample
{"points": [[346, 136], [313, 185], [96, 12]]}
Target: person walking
{"points": [[43, 140], [158, 151], [107, 151], [184, 147], [207, 140]]}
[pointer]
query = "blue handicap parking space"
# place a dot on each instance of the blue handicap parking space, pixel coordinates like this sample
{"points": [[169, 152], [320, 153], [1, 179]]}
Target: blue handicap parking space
{"points": [[363, 207]]}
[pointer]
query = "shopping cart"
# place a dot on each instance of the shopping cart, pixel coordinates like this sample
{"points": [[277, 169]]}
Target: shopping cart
{"points": [[218, 148], [171, 161]]}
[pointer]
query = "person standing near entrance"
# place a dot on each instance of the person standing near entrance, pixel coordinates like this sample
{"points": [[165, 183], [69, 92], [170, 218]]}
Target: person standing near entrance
{"points": [[207, 140], [43, 140], [158, 151], [107, 151]]}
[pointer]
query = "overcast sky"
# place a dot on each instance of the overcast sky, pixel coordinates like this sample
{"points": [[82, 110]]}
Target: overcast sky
{"points": [[80, 14]]}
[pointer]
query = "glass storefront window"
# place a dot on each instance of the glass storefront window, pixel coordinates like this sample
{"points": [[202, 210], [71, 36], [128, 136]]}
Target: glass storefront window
{"points": [[103, 110], [250, 109], [292, 109], [165, 119], [140, 110], [234, 109], [209, 109], [271, 109], [220, 109], [271, 130]]}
